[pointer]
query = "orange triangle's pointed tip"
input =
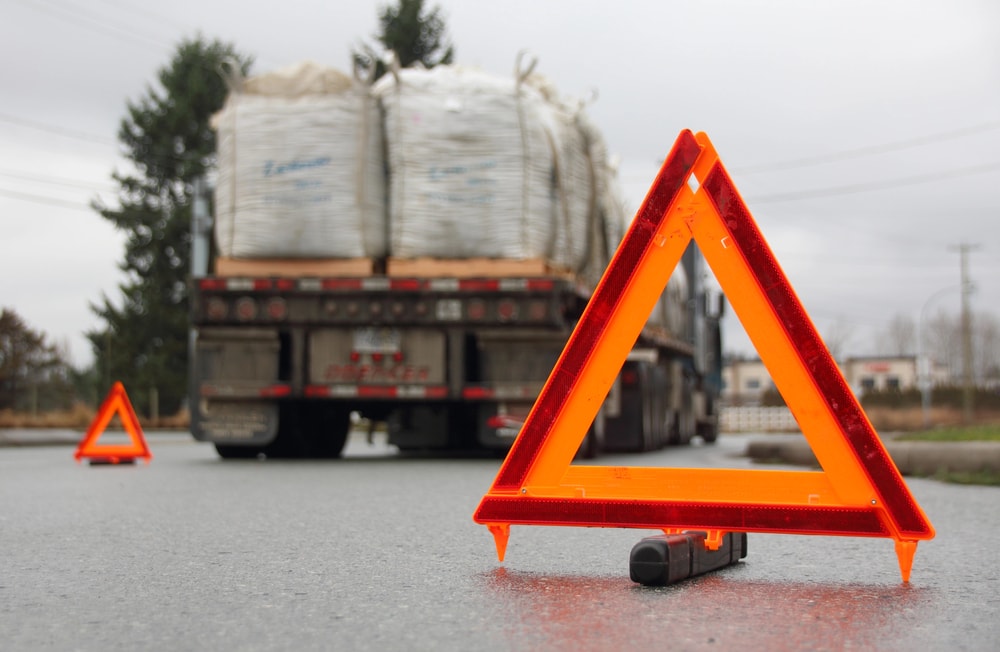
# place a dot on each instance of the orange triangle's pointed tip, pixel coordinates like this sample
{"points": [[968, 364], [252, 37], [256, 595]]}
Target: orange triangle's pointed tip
{"points": [[501, 534], [905, 551]]}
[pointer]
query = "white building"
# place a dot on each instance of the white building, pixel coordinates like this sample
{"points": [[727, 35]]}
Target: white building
{"points": [[745, 381]]}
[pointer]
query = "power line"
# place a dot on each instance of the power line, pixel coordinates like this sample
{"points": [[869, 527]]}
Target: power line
{"points": [[57, 181], [158, 18], [41, 199], [871, 150], [82, 17], [59, 131], [874, 185]]}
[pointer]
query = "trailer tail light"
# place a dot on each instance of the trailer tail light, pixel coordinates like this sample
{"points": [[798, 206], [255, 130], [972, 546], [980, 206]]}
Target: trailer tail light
{"points": [[629, 377], [276, 308], [397, 356], [246, 309], [537, 310], [540, 284], [216, 309], [476, 310], [507, 310], [355, 356]]}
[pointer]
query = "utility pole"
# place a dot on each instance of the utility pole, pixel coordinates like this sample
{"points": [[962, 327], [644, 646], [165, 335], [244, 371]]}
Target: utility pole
{"points": [[968, 385]]}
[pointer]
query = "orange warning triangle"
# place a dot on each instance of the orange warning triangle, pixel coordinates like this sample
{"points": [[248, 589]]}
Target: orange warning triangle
{"points": [[116, 403], [859, 492]]}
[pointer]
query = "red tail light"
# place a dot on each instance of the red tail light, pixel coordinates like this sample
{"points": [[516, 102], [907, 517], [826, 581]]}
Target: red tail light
{"points": [[246, 309], [507, 310]]}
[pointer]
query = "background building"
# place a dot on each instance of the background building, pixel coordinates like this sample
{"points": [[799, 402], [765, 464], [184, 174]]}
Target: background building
{"points": [[745, 381]]}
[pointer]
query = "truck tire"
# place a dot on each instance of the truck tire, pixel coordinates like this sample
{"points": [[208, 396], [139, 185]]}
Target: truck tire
{"points": [[593, 442], [308, 430], [330, 433], [709, 431], [231, 452], [323, 430]]}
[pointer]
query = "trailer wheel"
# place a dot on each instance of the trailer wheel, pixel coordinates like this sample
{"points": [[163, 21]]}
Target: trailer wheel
{"points": [[310, 430], [324, 430], [709, 431], [593, 443], [231, 452]]}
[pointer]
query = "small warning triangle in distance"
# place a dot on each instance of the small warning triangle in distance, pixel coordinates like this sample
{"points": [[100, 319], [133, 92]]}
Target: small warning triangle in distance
{"points": [[859, 491], [116, 403]]}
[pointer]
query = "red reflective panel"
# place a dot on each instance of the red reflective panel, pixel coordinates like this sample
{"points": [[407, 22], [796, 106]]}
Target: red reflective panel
{"points": [[526, 510], [477, 392], [212, 284], [542, 284], [341, 284], [406, 284], [479, 285]]}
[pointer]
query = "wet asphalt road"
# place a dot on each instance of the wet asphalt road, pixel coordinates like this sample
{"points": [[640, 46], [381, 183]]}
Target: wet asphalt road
{"points": [[379, 552]]}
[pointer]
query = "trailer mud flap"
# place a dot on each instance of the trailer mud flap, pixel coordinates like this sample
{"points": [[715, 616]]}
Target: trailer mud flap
{"points": [[252, 423]]}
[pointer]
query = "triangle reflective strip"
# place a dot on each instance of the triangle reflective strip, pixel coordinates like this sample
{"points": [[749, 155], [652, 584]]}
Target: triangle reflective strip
{"points": [[116, 402], [859, 492]]}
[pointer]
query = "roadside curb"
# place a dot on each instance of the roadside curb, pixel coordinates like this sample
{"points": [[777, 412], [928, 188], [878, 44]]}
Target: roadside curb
{"points": [[27, 437], [45, 437], [911, 457]]}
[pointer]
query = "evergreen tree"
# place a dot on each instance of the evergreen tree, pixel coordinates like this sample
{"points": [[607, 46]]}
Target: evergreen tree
{"points": [[415, 36], [167, 138]]}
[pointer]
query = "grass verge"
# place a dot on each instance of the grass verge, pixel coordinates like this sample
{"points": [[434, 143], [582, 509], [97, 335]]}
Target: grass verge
{"points": [[985, 432], [987, 478], [989, 432]]}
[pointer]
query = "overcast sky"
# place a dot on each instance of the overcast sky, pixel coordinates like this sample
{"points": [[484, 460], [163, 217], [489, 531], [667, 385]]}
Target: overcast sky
{"points": [[864, 135]]}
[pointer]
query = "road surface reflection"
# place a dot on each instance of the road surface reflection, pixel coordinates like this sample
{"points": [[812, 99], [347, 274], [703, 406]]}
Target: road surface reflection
{"points": [[612, 613]]}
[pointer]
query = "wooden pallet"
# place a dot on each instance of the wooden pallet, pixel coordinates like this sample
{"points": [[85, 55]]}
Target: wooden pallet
{"points": [[472, 267], [295, 267]]}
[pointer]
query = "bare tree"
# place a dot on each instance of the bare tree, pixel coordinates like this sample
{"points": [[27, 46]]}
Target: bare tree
{"points": [[837, 336], [899, 338], [943, 341]]}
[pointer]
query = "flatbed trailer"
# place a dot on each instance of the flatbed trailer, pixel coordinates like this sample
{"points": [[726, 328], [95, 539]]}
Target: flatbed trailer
{"points": [[280, 364]]}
